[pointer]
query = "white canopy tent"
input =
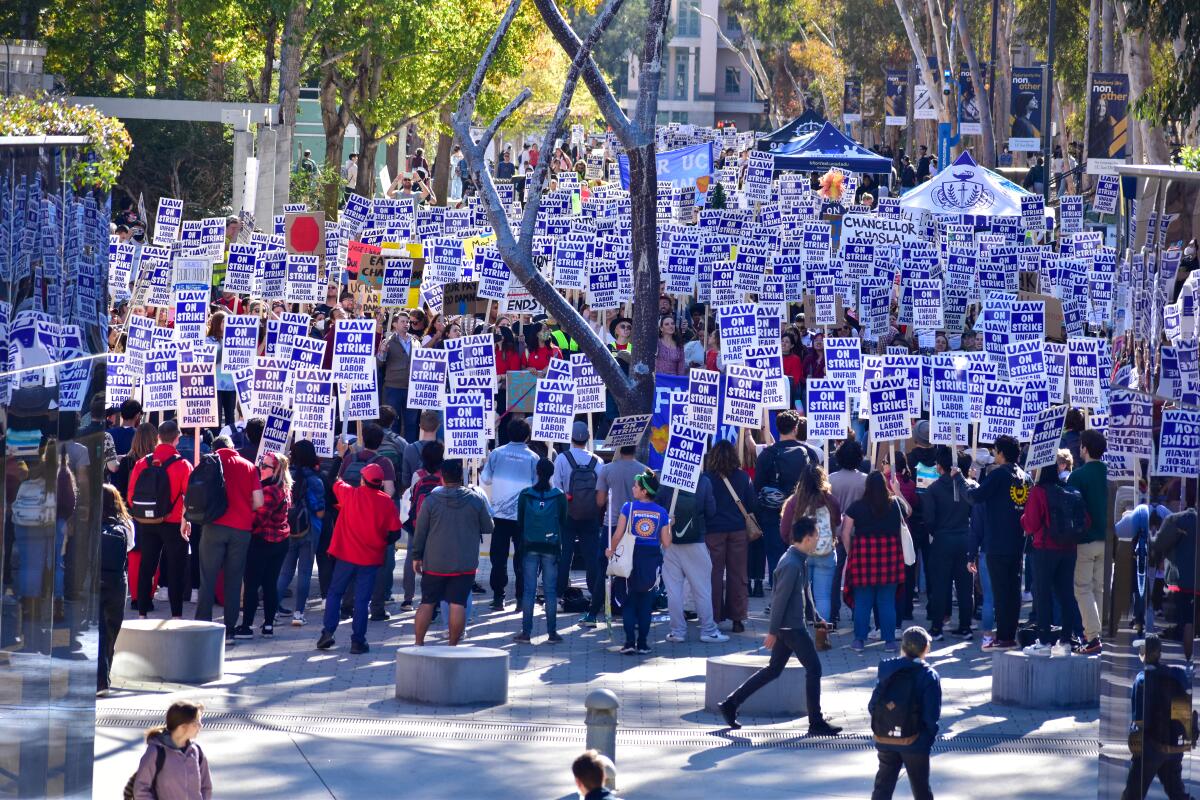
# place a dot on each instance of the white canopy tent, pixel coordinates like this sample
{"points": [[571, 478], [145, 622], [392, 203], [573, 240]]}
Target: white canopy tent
{"points": [[966, 188]]}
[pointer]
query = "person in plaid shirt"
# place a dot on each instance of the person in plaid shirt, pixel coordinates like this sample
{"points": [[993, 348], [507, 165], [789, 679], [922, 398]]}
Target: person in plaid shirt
{"points": [[875, 567], [268, 547]]}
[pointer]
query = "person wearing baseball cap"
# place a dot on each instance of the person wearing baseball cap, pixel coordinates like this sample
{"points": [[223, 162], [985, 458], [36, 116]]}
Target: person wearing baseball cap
{"points": [[366, 526]]}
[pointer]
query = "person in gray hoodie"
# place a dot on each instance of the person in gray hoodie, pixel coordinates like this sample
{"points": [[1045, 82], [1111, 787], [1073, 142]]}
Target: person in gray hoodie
{"points": [[173, 766], [450, 524]]}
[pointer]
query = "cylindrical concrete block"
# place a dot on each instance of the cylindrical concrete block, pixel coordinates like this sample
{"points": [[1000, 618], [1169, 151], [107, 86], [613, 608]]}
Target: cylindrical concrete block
{"points": [[172, 650], [601, 721], [782, 697], [452, 676], [1044, 681]]}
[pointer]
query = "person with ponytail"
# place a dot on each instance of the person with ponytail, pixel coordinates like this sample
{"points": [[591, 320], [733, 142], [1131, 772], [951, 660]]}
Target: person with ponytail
{"points": [[173, 766], [648, 524]]}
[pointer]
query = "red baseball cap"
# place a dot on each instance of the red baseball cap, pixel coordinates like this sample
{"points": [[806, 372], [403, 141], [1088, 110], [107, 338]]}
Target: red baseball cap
{"points": [[372, 473]]}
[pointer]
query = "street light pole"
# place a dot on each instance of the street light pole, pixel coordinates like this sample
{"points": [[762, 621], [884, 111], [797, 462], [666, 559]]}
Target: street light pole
{"points": [[1048, 103]]}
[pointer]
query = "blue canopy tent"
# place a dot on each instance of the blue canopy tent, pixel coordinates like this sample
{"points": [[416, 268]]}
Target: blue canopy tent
{"points": [[802, 127], [827, 148]]}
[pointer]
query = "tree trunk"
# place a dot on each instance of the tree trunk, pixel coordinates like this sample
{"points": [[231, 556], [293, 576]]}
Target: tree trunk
{"points": [[441, 163], [1137, 64], [914, 41], [334, 119], [290, 53], [1108, 36], [365, 185], [643, 194], [1000, 106], [985, 110]]}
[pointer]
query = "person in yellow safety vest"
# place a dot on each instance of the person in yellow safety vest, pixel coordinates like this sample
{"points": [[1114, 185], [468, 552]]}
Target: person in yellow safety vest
{"points": [[565, 343]]}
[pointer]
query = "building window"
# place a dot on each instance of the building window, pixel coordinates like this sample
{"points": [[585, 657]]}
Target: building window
{"points": [[679, 116], [733, 81], [687, 22], [681, 76], [732, 27]]}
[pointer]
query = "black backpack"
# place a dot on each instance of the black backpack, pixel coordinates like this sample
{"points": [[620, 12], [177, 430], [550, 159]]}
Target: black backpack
{"points": [[299, 521], [114, 550], [776, 491], [1068, 515], [205, 500], [581, 489], [152, 501], [353, 473], [896, 717]]}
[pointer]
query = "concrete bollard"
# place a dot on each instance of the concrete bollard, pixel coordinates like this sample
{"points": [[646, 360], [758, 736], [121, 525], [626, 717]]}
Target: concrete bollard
{"points": [[601, 721]]}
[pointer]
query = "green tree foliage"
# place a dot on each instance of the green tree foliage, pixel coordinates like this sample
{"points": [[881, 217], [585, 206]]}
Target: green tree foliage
{"points": [[110, 144], [624, 36], [1175, 94]]}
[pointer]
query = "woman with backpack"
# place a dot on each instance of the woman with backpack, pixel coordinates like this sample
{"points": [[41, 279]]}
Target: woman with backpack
{"points": [[814, 498], [650, 528], [268, 546], [116, 540], [1053, 563], [173, 766], [145, 439], [541, 518], [305, 516]]}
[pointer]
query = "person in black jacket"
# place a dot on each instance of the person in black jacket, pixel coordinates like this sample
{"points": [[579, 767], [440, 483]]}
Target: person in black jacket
{"points": [[948, 520], [775, 475], [1003, 493], [913, 756], [1162, 738]]}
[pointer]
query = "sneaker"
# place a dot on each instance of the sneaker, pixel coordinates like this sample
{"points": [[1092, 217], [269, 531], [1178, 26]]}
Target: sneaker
{"points": [[358, 648], [554, 638], [857, 645], [874, 635], [987, 642], [643, 650], [588, 620], [285, 611], [267, 630], [325, 641], [691, 616], [477, 589], [522, 637], [298, 620], [714, 638], [1061, 649], [962, 633], [1037, 649], [671, 637], [729, 714], [497, 604], [243, 632], [380, 616], [890, 647], [823, 728], [738, 627], [936, 635], [628, 650], [406, 605], [1089, 648]]}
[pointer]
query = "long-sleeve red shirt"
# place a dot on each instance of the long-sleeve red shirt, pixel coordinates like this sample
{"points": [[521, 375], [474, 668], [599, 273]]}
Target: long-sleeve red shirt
{"points": [[1036, 521]]}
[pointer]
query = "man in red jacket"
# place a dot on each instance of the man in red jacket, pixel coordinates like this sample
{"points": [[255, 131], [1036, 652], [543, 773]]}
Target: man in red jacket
{"points": [[168, 538], [367, 524]]}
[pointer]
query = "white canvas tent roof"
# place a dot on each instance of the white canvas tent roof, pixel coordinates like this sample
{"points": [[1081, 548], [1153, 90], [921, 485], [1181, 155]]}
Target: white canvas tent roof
{"points": [[966, 188]]}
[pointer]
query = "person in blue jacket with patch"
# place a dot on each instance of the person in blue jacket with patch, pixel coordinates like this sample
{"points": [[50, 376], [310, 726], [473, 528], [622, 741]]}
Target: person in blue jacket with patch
{"points": [[905, 708]]}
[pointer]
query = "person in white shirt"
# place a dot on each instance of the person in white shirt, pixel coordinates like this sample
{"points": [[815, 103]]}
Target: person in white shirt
{"points": [[350, 171], [510, 469]]}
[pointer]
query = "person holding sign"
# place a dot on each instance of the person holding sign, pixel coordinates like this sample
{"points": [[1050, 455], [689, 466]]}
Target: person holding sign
{"points": [[648, 523], [875, 564]]}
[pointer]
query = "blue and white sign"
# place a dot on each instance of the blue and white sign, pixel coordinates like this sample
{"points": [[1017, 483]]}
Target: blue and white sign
{"points": [[197, 395], [353, 350], [828, 409], [553, 410], [739, 329], [743, 396], [887, 403], [1003, 403], [466, 430], [683, 458], [1179, 444]]}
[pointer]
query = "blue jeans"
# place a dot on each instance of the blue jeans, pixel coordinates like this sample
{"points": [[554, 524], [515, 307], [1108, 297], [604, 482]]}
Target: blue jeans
{"points": [[883, 600], [406, 420], [772, 543], [635, 613], [989, 607], [548, 564], [298, 563], [820, 575], [364, 582]]}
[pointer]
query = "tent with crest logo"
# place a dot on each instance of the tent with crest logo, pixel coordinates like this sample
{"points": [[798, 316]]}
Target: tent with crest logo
{"points": [[966, 188]]}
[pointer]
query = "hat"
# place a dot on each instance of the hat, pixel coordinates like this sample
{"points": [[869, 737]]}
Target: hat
{"points": [[921, 433], [372, 474], [579, 432]]}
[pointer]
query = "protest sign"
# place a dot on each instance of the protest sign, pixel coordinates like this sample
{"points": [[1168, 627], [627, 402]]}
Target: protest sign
{"points": [[353, 350], [759, 171], [243, 384], [553, 410], [466, 432], [1002, 409], [888, 405], [703, 402], [1083, 373], [167, 221], [239, 342], [359, 401], [1054, 359], [926, 298], [590, 396], [485, 387], [160, 380], [1025, 360], [683, 457], [1179, 444], [119, 383], [828, 409], [197, 395], [397, 281], [471, 354], [312, 409], [626, 431], [1108, 191], [1047, 431], [268, 387], [769, 359], [1034, 398], [1130, 423], [275, 433], [191, 312], [604, 285], [738, 329], [1033, 212], [303, 283], [427, 378], [743, 393], [241, 271]]}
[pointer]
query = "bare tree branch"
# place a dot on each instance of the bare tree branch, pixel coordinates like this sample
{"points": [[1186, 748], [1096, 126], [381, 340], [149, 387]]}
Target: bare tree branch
{"points": [[918, 49], [489, 132], [568, 40]]}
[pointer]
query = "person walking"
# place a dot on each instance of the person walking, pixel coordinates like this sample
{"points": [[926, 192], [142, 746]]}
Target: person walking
{"points": [[648, 523], [577, 475], [775, 475], [727, 538], [268, 547], [787, 633], [541, 518], [1090, 479], [157, 484], [814, 498], [226, 540], [1160, 737], [875, 564], [905, 707], [367, 524], [687, 566], [614, 488], [510, 470], [947, 515], [308, 492], [1053, 561], [116, 540], [1002, 494], [173, 766], [451, 521]]}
